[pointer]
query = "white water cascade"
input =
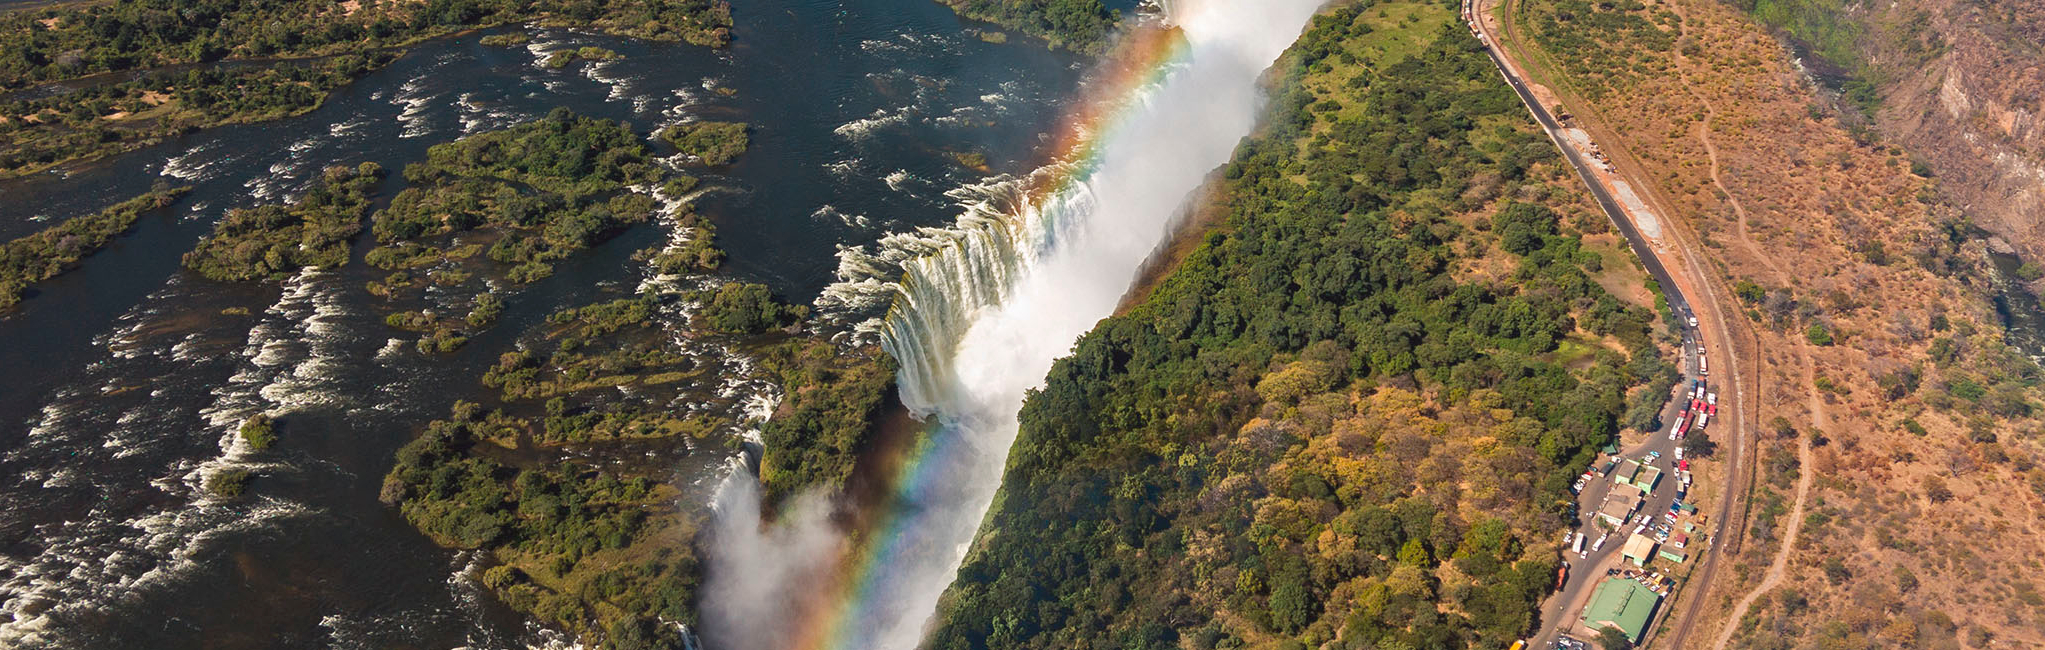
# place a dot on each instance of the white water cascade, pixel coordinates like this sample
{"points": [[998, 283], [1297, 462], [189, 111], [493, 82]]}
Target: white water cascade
{"points": [[979, 318]]}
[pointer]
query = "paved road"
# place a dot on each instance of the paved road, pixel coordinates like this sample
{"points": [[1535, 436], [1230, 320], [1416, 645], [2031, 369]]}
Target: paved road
{"points": [[1563, 609]]}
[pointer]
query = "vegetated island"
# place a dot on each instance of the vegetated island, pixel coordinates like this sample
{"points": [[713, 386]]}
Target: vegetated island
{"points": [[109, 118], [713, 143], [600, 548], [138, 71], [1353, 411], [54, 250], [565, 57], [271, 240], [1084, 26], [509, 204]]}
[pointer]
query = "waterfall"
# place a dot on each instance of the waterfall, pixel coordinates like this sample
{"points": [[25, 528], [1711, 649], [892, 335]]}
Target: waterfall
{"points": [[982, 309], [942, 293]]}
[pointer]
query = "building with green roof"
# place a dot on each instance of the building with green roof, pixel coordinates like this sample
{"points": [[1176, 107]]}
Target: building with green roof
{"points": [[1624, 604], [1624, 474], [1647, 479]]}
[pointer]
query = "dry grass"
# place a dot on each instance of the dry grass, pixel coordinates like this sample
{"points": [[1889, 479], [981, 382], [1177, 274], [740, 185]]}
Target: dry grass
{"points": [[1797, 207]]}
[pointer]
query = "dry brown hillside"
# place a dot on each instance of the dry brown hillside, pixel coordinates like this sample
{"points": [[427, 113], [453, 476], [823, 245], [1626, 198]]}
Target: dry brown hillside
{"points": [[1900, 434], [1961, 83]]}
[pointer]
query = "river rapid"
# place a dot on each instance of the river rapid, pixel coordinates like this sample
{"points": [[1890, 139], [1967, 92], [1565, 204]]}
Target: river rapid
{"points": [[121, 382]]}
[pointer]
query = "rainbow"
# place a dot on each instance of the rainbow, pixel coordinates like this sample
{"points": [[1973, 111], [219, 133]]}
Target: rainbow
{"points": [[833, 616]]}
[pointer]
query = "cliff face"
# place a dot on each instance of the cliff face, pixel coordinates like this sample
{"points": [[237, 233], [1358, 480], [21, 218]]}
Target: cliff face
{"points": [[1962, 85]]}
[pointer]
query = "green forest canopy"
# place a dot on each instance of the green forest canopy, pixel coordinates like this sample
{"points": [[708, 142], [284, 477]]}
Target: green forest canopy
{"points": [[1312, 430]]}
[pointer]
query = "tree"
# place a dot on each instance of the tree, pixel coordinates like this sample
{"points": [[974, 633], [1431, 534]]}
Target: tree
{"points": [[1611, 637], [747, 308], [1936, 490], [1818, 335], [1699, 444], [1781, 426]]}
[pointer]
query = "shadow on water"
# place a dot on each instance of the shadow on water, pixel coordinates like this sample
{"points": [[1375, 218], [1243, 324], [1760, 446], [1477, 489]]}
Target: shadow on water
{"points": [[120, 382], [2023, 317]]}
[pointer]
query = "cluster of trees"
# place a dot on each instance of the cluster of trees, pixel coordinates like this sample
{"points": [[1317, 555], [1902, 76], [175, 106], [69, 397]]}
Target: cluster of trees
{"points": [[1311, 431], [1606, 46], [76, 40], [601, 555], [565, 57], [271, 240], [834, 397], [1084, 26], [602, 551], [105, 119], [551, 187], [715, 143], [603, 345], [54, 250], [137, 36], [747, 308]]}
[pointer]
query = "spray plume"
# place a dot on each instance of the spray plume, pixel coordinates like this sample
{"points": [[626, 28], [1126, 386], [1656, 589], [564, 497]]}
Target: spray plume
{"points": [[978, 321]]}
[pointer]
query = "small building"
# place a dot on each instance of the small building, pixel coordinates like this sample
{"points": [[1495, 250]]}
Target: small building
{"points": [[1639, 549], [1618, 508], [1671, 555], [1624, 475], [1647, 478], [1679, 540], [1623, 604]]}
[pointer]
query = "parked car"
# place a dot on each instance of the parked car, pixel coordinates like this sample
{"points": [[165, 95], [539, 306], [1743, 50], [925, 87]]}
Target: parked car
{"points": [[1578, 488], [1679, 452]]}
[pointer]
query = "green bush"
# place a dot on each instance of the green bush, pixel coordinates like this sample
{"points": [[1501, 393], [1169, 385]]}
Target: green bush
{"points": [[228, 483], [1818, 335], [259, 431]]}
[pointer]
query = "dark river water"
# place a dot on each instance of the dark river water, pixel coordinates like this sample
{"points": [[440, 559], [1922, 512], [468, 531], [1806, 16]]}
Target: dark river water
{"points": [[120, 383]]}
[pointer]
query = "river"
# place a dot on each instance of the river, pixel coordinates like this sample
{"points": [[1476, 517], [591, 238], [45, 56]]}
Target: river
{"points": [[120, 382]]}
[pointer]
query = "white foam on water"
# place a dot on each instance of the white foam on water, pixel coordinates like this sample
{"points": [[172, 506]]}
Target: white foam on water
{"points": [[195, 164], [831, 213], [863, 128]]}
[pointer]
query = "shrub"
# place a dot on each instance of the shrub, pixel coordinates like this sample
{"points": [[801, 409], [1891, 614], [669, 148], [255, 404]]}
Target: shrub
{"points": [[229, 483], [259, 432], [1818, 335]]}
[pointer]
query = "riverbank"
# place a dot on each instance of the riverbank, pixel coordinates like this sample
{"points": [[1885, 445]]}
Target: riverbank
{"points": [[161, 89]]}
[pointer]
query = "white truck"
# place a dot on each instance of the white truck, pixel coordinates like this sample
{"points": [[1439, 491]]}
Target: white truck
{"points": [[1579, 546]]}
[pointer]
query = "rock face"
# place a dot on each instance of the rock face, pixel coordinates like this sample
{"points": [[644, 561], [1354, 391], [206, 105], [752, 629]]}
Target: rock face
{"points": [[1963, 87]]}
